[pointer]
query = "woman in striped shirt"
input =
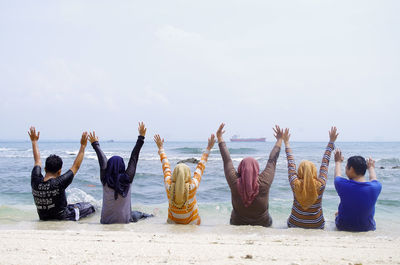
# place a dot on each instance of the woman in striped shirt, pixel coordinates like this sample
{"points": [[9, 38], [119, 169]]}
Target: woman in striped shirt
{"points": [[307, 188], [181, 188]]}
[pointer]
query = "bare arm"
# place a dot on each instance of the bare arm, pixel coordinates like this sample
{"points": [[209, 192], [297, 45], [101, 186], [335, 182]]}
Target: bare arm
{"points": [[229, 170], [338, 162], [81, 154], [371, 169], [35, 148]]}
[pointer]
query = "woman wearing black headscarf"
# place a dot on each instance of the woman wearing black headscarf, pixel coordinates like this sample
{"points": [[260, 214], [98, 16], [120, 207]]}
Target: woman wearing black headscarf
{"points": [[117, 182]]}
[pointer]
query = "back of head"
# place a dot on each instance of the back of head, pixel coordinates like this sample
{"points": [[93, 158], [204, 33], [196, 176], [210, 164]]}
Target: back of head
{"points": [[115, 165], [306, 189], [358, 163], [248, 166], [247, 183], [53, 164], [179, 191], [115, 176]]}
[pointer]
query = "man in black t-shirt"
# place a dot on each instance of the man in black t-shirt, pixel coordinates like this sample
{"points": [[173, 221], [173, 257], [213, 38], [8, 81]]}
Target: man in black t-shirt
{"points": [[49, 191]]}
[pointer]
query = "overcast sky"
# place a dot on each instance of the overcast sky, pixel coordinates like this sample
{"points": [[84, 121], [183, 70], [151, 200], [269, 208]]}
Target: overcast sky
{"points": [[184, 66]]}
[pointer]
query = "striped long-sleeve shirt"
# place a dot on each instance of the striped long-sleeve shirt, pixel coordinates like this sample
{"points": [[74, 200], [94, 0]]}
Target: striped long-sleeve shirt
{"points": [[313, 216], [189, 215]]}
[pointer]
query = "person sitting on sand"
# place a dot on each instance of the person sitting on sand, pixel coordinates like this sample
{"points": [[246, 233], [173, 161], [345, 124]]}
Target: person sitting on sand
{"points": [[181, 188], [249, 188], [49, 191], [307, 187], [357, 196], [117, 182]]}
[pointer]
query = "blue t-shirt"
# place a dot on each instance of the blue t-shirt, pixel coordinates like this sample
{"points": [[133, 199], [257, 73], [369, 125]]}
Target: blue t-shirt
{"points": [[357, 204]]}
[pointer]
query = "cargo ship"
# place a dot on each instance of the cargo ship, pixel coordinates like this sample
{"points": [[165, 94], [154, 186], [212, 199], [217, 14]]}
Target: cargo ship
{"points": [[236, 138]]}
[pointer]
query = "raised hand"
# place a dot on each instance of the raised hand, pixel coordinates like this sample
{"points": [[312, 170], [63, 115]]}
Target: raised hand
{"points": [[159, 141], [286, 136], [220, 132], [333, 134], [278, 132], [371, 169], [370, 163], [338, 156], [35, 149], [211, 142], [84, 138], [93, 138], [32, 134], [142, 129]]}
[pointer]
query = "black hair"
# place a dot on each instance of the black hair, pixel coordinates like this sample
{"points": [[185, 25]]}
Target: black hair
{"points": [[358, 163], [53, 164]]}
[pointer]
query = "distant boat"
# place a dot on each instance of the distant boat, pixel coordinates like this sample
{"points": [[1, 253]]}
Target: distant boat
{"points": [[236, 138]]}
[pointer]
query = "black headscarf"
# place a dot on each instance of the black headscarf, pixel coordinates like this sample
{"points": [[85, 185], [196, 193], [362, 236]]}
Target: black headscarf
{"points": [[115, 176]]}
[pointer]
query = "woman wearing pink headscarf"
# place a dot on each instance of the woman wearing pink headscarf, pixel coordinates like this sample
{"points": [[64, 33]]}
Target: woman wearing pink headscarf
{"points": [[249, 188]]}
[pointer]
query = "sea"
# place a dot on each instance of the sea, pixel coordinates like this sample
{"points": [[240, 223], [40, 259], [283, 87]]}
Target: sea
{"points": [[17, 209]]}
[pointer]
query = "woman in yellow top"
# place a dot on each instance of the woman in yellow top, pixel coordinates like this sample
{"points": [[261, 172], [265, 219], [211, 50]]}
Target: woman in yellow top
{"points": [[181, 188]]}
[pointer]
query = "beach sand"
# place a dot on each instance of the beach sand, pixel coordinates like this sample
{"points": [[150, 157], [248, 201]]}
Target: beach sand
{"points": [[173, 244]]}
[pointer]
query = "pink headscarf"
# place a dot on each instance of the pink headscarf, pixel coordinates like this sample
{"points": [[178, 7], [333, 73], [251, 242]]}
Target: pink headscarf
{"points": [[247, 183]]}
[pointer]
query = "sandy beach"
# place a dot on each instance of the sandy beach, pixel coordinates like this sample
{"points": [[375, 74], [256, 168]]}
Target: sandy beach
{"points": [[172, 244]]}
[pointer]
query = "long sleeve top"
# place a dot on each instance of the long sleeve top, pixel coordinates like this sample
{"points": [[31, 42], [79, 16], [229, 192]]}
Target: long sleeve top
{"points": [[257, 212], [117, 210], [189, 215], [313, 216]]}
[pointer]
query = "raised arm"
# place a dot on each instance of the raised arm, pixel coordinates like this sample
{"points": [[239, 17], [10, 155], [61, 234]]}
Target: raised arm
{"points": [[338, 162], [35, 149], [198, 173], [94, 140], [229, 170], [133, 160], [371, 169], [164, 161], [269, 172], [292, 173], [81, 153], [323, 171]]}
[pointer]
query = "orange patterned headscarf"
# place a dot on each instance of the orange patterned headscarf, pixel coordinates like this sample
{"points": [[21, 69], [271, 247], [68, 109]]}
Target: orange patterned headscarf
{"points": [[307, 185]]}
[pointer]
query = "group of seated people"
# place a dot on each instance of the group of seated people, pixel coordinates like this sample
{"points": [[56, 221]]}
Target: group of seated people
{"points": [[249, 188]]}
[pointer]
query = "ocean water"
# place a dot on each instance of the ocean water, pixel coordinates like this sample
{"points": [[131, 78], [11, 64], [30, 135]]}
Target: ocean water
{"points": [[17, 209]]}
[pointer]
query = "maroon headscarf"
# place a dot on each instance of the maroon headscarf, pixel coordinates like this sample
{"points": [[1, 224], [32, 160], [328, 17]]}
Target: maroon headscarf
{"points": [[247, 183]]}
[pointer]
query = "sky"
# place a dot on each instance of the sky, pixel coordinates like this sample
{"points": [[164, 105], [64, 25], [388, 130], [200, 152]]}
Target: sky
{"points": [[183, 67]]}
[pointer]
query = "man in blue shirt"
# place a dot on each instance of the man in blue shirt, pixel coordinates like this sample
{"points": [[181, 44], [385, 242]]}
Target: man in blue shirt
{"points": [[357, 196]]}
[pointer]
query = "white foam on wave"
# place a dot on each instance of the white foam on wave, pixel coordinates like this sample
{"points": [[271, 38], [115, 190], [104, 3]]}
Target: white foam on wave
{"points": [[6, 149], [77, 195], [15, 153]]}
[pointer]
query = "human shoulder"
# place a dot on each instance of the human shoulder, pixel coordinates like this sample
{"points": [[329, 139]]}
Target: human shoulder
{"points": [[68, 173], [339, 179], [375, 183], [37, 172], [64, 179], [37, 169]]}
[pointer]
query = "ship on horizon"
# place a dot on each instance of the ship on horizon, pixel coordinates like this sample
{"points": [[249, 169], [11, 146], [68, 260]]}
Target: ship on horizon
{"points": [[236, 138]]}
